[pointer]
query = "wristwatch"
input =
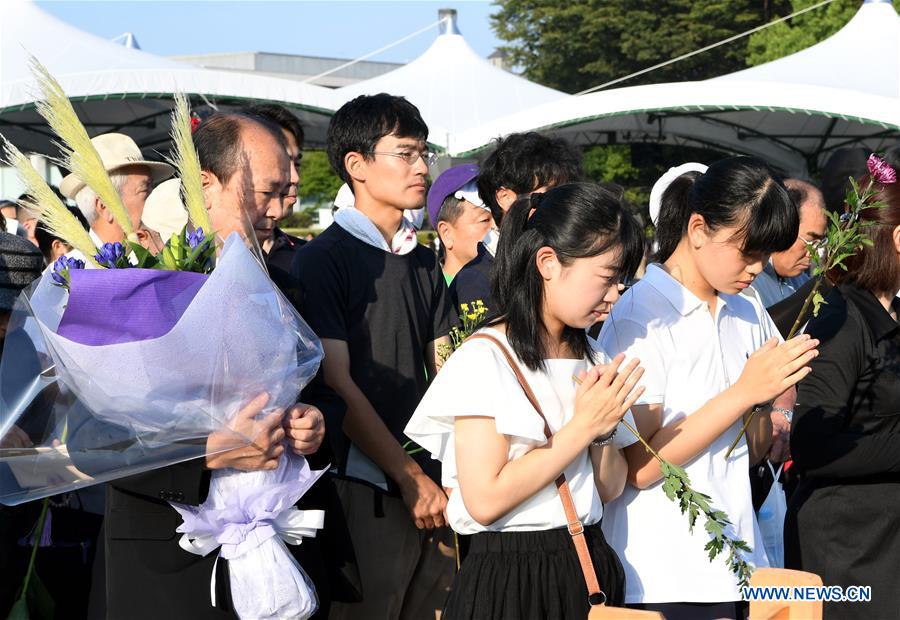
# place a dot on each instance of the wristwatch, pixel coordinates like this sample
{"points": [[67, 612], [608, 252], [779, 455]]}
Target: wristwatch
{"points": [[787, 413], [602, 441]]}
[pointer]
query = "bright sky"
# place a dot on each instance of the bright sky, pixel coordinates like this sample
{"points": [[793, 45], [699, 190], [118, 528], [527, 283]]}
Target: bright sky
{"points": [[331, 29]]}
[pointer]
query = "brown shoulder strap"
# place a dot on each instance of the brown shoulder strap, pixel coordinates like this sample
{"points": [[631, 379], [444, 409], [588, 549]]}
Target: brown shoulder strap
{"points": [[596, 596]]}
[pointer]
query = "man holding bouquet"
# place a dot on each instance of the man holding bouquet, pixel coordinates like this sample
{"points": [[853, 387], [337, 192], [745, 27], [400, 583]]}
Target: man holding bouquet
{"points": [[245, 175]]}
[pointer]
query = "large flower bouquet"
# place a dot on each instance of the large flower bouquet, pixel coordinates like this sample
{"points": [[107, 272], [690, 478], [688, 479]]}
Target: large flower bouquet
{"points": [[119, 361]]}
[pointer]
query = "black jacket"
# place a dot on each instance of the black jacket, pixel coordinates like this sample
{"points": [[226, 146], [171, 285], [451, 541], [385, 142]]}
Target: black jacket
{"points": [[842, 521], [473, 282]]}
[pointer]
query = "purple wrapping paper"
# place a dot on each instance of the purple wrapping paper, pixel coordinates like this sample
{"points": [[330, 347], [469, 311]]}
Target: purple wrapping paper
{"points": [[112, 306]]}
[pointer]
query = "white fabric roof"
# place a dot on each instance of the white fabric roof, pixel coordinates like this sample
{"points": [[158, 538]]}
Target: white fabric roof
{"points": [[115, 88], [864, 57], [454, 88], [787, 111]]}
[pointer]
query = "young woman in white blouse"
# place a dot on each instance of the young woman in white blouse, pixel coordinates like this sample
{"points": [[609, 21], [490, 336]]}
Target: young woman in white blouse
{"points": [[561, 259], [709, 359]]}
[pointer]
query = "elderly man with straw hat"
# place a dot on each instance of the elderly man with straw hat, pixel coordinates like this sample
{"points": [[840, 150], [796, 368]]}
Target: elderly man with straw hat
{"points": [[132, 175]]}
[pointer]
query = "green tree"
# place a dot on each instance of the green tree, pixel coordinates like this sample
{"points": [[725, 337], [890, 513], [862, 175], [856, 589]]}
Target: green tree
{"points": [[318, 182], [800, 32], [575, 45]]}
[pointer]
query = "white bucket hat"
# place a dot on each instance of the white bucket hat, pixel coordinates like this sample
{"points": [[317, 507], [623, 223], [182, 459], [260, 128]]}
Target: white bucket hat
{"points": [[116, 151], [164, 212]]}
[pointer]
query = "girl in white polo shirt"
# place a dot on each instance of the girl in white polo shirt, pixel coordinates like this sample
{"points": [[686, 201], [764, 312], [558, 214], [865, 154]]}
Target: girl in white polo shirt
{"points": [[709, 359], [558, 269]]}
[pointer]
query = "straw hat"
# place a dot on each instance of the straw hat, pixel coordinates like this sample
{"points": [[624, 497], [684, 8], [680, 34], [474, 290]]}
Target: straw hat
{"points": [[116, 151]]}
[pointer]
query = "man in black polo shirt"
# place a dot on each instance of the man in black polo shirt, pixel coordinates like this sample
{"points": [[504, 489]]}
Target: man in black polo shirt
{"points": [[519, 165], [378, 301]]}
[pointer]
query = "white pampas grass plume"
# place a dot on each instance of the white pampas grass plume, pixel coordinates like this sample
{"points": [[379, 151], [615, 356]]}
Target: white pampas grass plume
{"points": [[44, 202], [79, 154], [185, 161]]}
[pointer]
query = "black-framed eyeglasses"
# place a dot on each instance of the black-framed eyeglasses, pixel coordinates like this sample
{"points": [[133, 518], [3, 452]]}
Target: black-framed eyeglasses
{"points": [[411, 157]]}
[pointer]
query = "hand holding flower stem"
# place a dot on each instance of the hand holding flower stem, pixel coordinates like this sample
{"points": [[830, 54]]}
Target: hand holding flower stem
{"points": [[846, 235]]}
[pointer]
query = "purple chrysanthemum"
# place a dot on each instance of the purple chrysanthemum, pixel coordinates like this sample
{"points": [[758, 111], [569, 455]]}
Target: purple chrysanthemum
{"points": [[880, 170]]}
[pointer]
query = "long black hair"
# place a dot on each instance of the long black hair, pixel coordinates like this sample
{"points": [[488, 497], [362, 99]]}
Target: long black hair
{"points": [[733, 191], [576, 220]]}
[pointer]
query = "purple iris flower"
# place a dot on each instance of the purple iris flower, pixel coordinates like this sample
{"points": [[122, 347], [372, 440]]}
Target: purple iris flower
{"points": [[61, 267], [196, 238], [110, 255]]}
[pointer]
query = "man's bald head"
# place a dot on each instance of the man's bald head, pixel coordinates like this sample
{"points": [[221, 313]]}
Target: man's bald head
{"points": [[245, 172], [219, 142], [813, 224], [804, 193]]}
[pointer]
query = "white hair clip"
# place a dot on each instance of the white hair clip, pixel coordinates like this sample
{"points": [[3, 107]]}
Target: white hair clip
{"points": [[659, 188]]}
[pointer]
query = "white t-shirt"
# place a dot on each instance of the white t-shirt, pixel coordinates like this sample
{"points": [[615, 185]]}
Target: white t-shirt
{"points": [[477, 381], [689, 357]]}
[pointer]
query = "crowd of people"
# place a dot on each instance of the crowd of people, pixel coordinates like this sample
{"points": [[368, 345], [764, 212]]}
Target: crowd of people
{"points": [[496, 480]]}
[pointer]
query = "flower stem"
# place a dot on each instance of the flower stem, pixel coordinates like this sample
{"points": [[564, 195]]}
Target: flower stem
{"points": [[36, 536], [693, 503], [794, 329]]}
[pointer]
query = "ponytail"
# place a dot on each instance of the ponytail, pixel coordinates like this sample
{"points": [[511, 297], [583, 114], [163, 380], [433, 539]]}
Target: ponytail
{"points": [[674, 213]]}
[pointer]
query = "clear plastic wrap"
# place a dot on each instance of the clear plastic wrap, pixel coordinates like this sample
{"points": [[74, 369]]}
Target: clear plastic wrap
{"points": [[136, 369]]}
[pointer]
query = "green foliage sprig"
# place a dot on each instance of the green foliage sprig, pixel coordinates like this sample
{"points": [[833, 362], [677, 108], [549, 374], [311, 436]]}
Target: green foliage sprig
{"points": [[677, 486]]}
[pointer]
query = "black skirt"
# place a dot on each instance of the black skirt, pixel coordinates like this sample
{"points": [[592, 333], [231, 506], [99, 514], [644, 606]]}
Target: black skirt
{"points": [[523, 575]]}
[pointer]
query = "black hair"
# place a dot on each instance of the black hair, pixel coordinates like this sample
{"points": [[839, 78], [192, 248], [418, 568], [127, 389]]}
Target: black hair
{"points": [[45, 238], [892, 157], [577, 220], [798, 194], [450, 210], [523, 162], [360, 123], [835, 175], [219, 144], [279, 115], [736, 191]]}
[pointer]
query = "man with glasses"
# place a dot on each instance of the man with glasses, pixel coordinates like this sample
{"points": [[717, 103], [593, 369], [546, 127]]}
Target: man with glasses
{"points": [[787, 271], [378, 301]]}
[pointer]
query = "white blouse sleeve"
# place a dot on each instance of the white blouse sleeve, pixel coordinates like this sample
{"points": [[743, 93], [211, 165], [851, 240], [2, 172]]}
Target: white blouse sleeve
{"points": [[475, 381]]}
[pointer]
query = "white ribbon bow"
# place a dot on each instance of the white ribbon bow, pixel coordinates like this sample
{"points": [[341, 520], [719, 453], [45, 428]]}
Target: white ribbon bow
{"points": [[292, 526]]}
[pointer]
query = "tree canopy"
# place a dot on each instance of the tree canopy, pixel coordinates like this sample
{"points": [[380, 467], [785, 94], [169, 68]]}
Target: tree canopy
{"points": [[800, 32], [573, 46]]}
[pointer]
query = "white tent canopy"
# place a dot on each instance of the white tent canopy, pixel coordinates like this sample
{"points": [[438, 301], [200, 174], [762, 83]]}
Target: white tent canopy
{"points": [[864, 57], [116, 88], [453, 87], [787, 111]]}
